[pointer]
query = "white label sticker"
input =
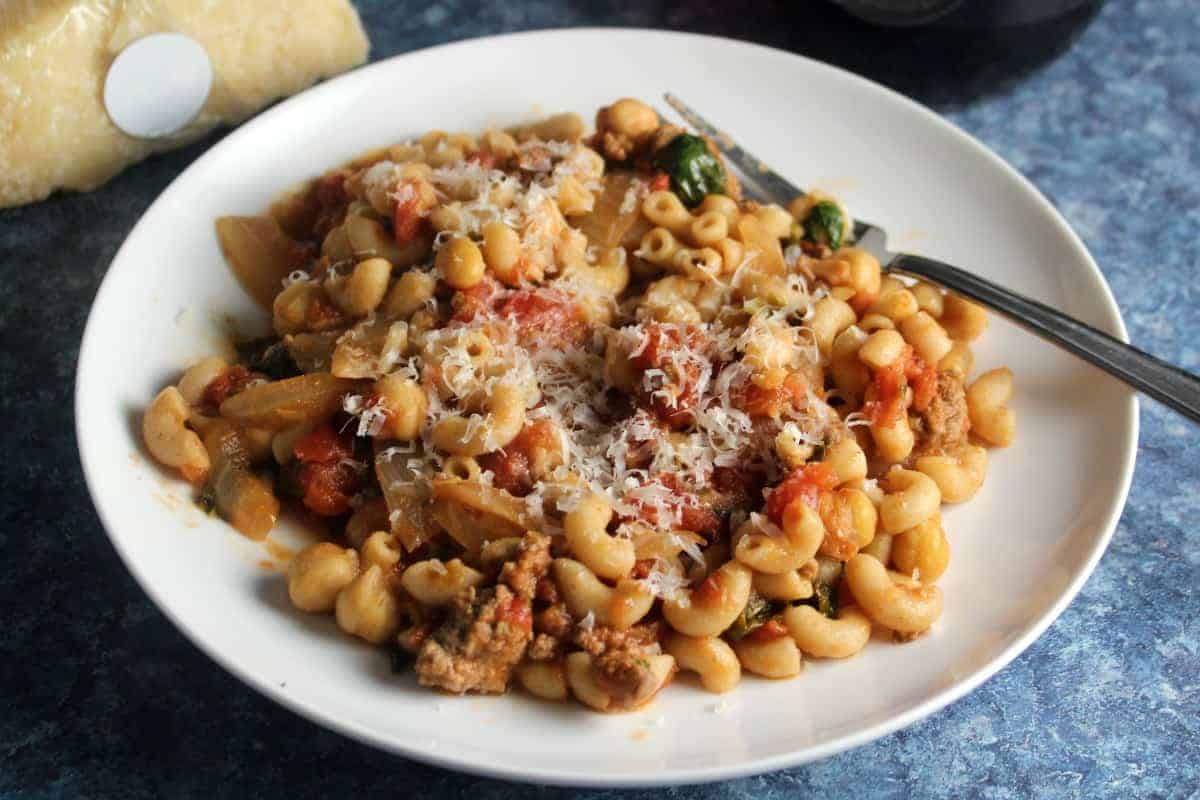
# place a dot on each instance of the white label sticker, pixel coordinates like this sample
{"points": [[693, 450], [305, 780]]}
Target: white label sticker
{"points": [[157, 85]]}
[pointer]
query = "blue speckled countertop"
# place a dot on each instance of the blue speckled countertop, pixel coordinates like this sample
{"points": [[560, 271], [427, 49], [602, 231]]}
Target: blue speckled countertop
{"points": [[102, 697]]}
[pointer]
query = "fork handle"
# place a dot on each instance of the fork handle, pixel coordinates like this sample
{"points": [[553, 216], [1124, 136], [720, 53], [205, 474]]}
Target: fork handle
{"points": [[1165, 382]]}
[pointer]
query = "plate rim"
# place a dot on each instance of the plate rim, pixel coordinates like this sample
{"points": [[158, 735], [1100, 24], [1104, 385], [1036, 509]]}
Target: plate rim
{"points": [[1113, 323]]}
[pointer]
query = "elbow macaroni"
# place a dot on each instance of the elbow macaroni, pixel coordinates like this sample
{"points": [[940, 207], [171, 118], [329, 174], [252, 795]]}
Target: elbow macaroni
{"points": [[575, 407]]}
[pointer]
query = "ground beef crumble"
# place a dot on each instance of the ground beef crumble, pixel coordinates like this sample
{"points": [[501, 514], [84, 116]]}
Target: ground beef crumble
{"points": [[487, 630], [942, 427]]}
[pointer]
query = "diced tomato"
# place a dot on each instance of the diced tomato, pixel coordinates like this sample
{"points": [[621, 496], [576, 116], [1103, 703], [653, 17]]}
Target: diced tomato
{"points": [[479, 299], [543, 315], [485, 159], [922, 377], [642, 568], [323, 445], [660, 182], [322, 314], [840, 540], [511, 470], [512, 465], [406, 219], [710, 590], [693, 514], [328, 487], [517, 613], [759, 402], [806, 483], [769, 631], [699, 519], [225, 385], [327, 477], [885, 395], [675, 396]]}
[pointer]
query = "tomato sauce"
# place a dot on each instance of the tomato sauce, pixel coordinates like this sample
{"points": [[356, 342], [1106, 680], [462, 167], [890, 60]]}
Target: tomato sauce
{"points": [[326, 477], [885, 402], [406, 219], [769, 631], [807, 483], [683, 377], [480, 299], [710, 591], [694, 515], [517, 613], [543, 315], [225, 385], [511, 466], [759, 402]]}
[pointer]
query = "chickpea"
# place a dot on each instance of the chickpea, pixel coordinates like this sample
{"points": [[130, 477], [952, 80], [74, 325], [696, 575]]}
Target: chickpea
{"points": [[336, 245], [461, 263], [318, 573], [410, 292], [368, 284], [502, 251], [381, 549], [367, 609], [633, 118], [499, 144], [923, 550]]}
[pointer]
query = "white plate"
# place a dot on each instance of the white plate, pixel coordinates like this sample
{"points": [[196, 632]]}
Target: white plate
{"points": [[1022, 548]]}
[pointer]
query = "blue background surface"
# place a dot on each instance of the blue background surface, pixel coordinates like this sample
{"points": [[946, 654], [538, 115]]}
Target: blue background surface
{"points": [[102, 697]]}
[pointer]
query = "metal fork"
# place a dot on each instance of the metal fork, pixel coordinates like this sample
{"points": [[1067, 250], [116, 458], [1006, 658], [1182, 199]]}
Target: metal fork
{"points": [[1170, 385]]}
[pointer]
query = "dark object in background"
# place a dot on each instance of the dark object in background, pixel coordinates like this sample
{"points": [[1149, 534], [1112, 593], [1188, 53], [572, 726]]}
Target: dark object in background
{"points": [[951, 52], [960, 13]]}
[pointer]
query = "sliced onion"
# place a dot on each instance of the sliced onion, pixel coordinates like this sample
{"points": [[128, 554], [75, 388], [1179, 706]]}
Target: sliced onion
{"points": [[260, 253], [305, 399]]}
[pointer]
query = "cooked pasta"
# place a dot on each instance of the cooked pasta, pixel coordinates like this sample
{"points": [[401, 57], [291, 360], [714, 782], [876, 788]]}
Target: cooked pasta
{"points": [[581, 417]]}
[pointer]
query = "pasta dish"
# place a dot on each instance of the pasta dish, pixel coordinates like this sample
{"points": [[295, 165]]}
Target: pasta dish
{"points": [[571, 414]]}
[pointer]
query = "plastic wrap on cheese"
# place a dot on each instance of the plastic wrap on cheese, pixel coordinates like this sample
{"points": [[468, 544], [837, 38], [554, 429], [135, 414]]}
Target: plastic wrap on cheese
{"points": [[54, 55]]}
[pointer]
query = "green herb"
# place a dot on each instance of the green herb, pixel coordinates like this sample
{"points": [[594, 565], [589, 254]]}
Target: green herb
{"points": [[824, 597], [207, 499], [756, 613], [269, 356], [824, 224], [401, 659], [826, 600], [694, 171]]}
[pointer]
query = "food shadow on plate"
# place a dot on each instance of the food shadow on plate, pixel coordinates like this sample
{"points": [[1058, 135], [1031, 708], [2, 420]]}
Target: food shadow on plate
{"points": [[374, 661]]}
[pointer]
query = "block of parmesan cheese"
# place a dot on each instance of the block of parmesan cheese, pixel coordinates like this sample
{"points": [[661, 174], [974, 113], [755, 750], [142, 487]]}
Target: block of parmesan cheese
{"points": [[54, 55]]}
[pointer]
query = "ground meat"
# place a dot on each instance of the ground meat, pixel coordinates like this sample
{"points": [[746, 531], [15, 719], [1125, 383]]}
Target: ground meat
{"points": [[614, 146], [544, 648], [554, 621], [942, 427], [476, 648], [625, 675], [600, 638], [523, 574]]}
